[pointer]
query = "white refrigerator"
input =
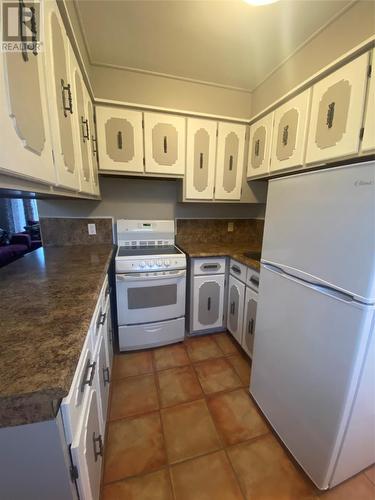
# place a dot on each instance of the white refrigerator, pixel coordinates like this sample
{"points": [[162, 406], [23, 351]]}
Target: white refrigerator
{"points": [[313, 372]]}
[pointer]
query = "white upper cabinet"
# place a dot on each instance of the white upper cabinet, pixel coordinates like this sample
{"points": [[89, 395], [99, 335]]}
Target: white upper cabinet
{"points": [[368, 142], [25, 143], [200, 159], [337, 112], [260, 147], [164, 143], [289, 133], [120, 139], [229, 161], [62, 105]]}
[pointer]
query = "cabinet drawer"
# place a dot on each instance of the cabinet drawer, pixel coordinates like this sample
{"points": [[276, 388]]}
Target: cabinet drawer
{"points": [[209, 266], [238, 270], [252, 279]]}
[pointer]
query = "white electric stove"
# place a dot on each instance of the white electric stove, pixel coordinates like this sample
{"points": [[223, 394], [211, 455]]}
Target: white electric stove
{"points": [[150, 284]]}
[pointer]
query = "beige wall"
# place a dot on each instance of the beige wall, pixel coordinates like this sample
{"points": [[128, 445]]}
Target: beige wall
{"points": [[351, 28]]}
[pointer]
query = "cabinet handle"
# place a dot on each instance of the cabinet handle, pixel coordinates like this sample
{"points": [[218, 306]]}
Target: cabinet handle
{"points": [[94, 146], [209, 304], [107, 290], [256, 147], [251, 326], [232, 307], [201, 160], [205, 267], [106, 376], [97, 452], [236, 269], [254, 280], [119, 139], [285, 135], [165, 144], [231, 163], [330, 114], [85, 129], [67, 102], [88, 380], [101, 319]]}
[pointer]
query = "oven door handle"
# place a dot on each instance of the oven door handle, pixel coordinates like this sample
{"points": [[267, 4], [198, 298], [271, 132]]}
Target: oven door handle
{"points": [[159, 276]]}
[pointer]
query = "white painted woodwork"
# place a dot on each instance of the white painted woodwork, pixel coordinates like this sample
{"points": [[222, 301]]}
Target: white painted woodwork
{"points": [[165, 142], [368, 142], [200, 159], [236, 298], [208, 301], [120, 139], [289, 133], [337, 112], [260, 147], [229, 161]]}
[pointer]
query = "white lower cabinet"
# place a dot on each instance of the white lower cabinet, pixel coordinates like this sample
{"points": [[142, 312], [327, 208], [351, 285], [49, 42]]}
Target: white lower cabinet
{"points": [[236, 296], [208, 306], [249, 318], [103, 381]]}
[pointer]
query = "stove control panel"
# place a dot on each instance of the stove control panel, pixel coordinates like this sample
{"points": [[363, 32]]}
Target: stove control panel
{"points": [[151, 264]]}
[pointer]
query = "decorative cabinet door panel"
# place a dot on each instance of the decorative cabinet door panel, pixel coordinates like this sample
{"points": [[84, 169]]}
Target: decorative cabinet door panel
{"points": [[368, 142], [260, 147], [229, 161], [289, 133], [120, 138], [62, 103], [25, 143], [251, 302], [236, 297], [337, 112], [200, 159], [164, 143], [208, 302], [94, 145]]}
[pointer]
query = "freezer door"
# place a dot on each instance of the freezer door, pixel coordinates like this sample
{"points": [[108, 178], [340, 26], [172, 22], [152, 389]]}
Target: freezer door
{"points": [[308, 352], [321, 225]]}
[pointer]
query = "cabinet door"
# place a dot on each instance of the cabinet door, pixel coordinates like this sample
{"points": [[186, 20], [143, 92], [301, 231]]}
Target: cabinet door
{"points": [[337, 112], [236, 297], [94, 145], [200, 159], [87, 451], [25, 143], [120, 139], [208, 306], [108, 337], [260, 147], [62, 105], [248, 332], [368, 142], [103, 381], [229, 161], [164, 143], [289, 133], [81, 132]]}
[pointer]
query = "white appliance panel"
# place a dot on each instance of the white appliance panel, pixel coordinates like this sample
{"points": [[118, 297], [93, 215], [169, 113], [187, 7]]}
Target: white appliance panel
{"points": [[321, 226], [133, 337], [308, 353]]}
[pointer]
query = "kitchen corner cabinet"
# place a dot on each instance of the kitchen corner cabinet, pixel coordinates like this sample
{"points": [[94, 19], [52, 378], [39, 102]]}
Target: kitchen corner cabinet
{"points": [[229, 161], [236, 297], [200, 159], [337, 112], [248, 333], [62, 102], [260, 147], [25, 142], [164, 137], [120, 139], [368, 141], [289, 133]]}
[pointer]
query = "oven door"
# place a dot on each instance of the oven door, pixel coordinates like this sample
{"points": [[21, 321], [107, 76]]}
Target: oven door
{"points": [[148, 297]]}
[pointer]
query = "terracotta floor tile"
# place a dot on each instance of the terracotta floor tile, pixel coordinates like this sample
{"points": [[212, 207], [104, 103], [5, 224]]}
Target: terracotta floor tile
{"points": [[205, 478], [170, 356], [357, 488], [154, 486], [217, 375], [134, 446], [242, 364], [133, 396], [204, 347], [189, 431], [265, 471], [370, 473], [236, 416], [226, 343], [178, 385], [132, 363]]}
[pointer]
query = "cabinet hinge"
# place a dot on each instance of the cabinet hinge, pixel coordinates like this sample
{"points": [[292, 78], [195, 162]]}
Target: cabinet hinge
{"points": [[53, 156], [143, 123], [73, 469], [369, 71], [361, 132], [144, 162], [217, 132]]}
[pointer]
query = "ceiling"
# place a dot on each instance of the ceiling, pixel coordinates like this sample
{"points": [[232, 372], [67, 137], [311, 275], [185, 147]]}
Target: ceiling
{"points": [[229, 43]]}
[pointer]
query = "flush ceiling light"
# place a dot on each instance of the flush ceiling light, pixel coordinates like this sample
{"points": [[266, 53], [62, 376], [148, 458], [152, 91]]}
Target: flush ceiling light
{"points": [[260, 2]]}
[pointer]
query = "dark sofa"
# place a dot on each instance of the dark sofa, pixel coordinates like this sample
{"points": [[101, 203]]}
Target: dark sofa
{"points": [[19, 245]]}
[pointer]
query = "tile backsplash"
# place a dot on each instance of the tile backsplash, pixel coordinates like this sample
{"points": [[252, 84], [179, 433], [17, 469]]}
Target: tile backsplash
{"points": [[58, 231]]}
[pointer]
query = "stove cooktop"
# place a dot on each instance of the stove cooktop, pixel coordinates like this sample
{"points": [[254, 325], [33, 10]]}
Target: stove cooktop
{"points": [[140, 251]]}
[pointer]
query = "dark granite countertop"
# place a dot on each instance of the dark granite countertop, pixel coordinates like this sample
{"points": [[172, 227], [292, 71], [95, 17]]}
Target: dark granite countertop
{"points": [[233, 250], [47, 300]]}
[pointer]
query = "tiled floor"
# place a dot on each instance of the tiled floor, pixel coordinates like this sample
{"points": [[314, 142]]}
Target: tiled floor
{"points": [[183, 427]]}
